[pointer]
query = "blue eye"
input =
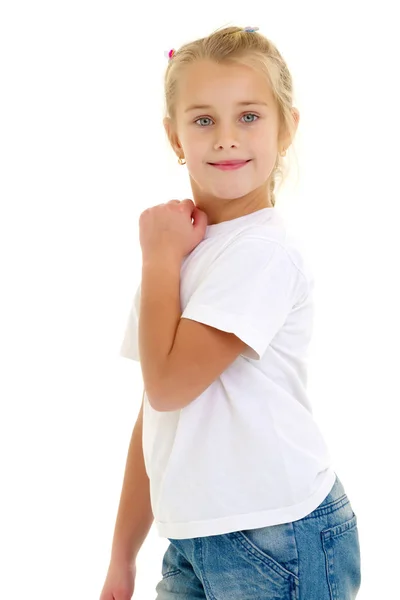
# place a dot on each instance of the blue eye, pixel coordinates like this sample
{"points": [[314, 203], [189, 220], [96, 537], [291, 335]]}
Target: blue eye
{"points": [[246, 115], [250, 115], [203, 119]]}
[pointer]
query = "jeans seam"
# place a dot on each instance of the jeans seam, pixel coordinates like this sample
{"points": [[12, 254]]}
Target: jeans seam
{"points": [[329, 508]]}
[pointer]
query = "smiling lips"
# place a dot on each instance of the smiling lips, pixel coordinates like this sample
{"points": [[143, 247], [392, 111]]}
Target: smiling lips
{"points": [[229, 164]]}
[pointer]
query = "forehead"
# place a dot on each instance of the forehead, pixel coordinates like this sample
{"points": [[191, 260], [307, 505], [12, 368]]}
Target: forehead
{"points": [[207, 82]]}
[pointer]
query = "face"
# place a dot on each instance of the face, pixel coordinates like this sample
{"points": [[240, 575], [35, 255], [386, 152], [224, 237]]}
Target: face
{"points": [[226, 112]]}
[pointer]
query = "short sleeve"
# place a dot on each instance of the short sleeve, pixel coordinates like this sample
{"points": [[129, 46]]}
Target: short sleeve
{"points": [[249, 290], [129, 347]]}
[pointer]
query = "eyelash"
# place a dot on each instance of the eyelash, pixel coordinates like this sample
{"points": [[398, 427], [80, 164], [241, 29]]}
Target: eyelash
{"points": [[249, 122]]}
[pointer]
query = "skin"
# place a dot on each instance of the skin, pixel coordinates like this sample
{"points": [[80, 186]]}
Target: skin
{"points": [[227, 131]]}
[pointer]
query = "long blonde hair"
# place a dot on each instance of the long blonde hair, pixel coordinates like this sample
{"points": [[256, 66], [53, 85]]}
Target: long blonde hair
{"points": [[234, 45]]}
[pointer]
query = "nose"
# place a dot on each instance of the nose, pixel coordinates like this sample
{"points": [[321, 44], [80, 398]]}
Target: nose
{"points": [[226, 137]]}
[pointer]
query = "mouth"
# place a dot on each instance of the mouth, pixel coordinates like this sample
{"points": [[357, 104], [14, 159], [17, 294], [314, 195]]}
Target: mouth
{"points": [[230, 164]]}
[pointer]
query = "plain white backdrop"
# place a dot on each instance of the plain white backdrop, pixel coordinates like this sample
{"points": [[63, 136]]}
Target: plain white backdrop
{"points": [[83, 153]]}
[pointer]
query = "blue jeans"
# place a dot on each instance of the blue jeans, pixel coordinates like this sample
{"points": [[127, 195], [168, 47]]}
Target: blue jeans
{"points": [[314, 558]]}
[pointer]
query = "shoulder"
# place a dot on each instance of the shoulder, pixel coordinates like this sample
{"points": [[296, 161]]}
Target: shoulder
{"points": [[268, 242], [273, 245]]}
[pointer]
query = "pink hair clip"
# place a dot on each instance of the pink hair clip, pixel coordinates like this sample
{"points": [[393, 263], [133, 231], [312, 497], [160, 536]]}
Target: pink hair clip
{"points": [[169, 53]]}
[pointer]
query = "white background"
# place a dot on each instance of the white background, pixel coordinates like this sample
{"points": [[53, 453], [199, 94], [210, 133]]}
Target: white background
{"points": [[83, 153]]}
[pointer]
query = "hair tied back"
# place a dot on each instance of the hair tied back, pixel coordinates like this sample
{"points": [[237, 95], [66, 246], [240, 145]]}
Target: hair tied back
{"points": [[171, 53]]}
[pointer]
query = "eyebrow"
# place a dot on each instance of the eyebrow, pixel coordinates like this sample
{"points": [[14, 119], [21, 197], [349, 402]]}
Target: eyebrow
{"points": [[244, 103]]}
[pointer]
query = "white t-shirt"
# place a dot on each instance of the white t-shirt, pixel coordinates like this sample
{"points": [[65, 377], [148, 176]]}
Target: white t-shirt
{"points": [[247, 452]]}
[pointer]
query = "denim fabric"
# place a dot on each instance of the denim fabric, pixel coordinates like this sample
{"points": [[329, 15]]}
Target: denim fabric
{"points": [[314, 558]]}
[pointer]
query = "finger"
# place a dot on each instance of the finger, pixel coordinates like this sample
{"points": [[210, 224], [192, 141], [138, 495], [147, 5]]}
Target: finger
{"points": [[187, 203], [200, 218]]}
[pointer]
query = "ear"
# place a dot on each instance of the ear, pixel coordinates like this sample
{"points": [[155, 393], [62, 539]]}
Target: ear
{"points": [[172, 135], [296, 117], [287, 139]]}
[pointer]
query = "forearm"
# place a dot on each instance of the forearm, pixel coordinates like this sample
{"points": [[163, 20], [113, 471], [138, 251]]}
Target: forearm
{"points": [[160, 312], [135, 515]]}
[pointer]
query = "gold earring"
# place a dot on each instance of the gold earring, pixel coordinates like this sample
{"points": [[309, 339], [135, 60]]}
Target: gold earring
{"points": [[283, 153], [181, 161]]}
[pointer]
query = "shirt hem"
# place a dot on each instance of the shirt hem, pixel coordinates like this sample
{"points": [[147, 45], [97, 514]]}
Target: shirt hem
{"points": [[256, 520]]}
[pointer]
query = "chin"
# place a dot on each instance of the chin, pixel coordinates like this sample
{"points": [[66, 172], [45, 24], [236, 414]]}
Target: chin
{"points": [[230, 193]]}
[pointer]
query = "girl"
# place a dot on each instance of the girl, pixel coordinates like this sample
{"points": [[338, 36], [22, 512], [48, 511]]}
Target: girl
{"points": [[239, 477]]}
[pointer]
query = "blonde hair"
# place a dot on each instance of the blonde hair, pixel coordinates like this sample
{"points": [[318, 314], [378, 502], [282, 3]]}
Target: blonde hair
{"points": [[233, 45]]}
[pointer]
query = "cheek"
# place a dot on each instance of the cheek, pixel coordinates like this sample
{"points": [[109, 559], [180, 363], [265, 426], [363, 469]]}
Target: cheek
{"points": [[197, 151], [267, 151]]}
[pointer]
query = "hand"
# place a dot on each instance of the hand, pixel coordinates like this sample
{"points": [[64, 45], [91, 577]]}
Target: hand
{"points": [[168, 228], [120, 580]]}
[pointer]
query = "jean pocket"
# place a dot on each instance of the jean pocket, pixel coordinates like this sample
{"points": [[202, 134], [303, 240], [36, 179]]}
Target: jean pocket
{"points": [[273, 546], [341, 547], [255, 561]]}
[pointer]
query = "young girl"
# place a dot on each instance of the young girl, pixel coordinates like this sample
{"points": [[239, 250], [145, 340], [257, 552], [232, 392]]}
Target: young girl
{"points": [[240, 479]]}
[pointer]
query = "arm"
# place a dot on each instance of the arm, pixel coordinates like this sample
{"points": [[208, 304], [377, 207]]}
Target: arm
{"points": [[135, 515], [160, 312], [179, 357]]}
